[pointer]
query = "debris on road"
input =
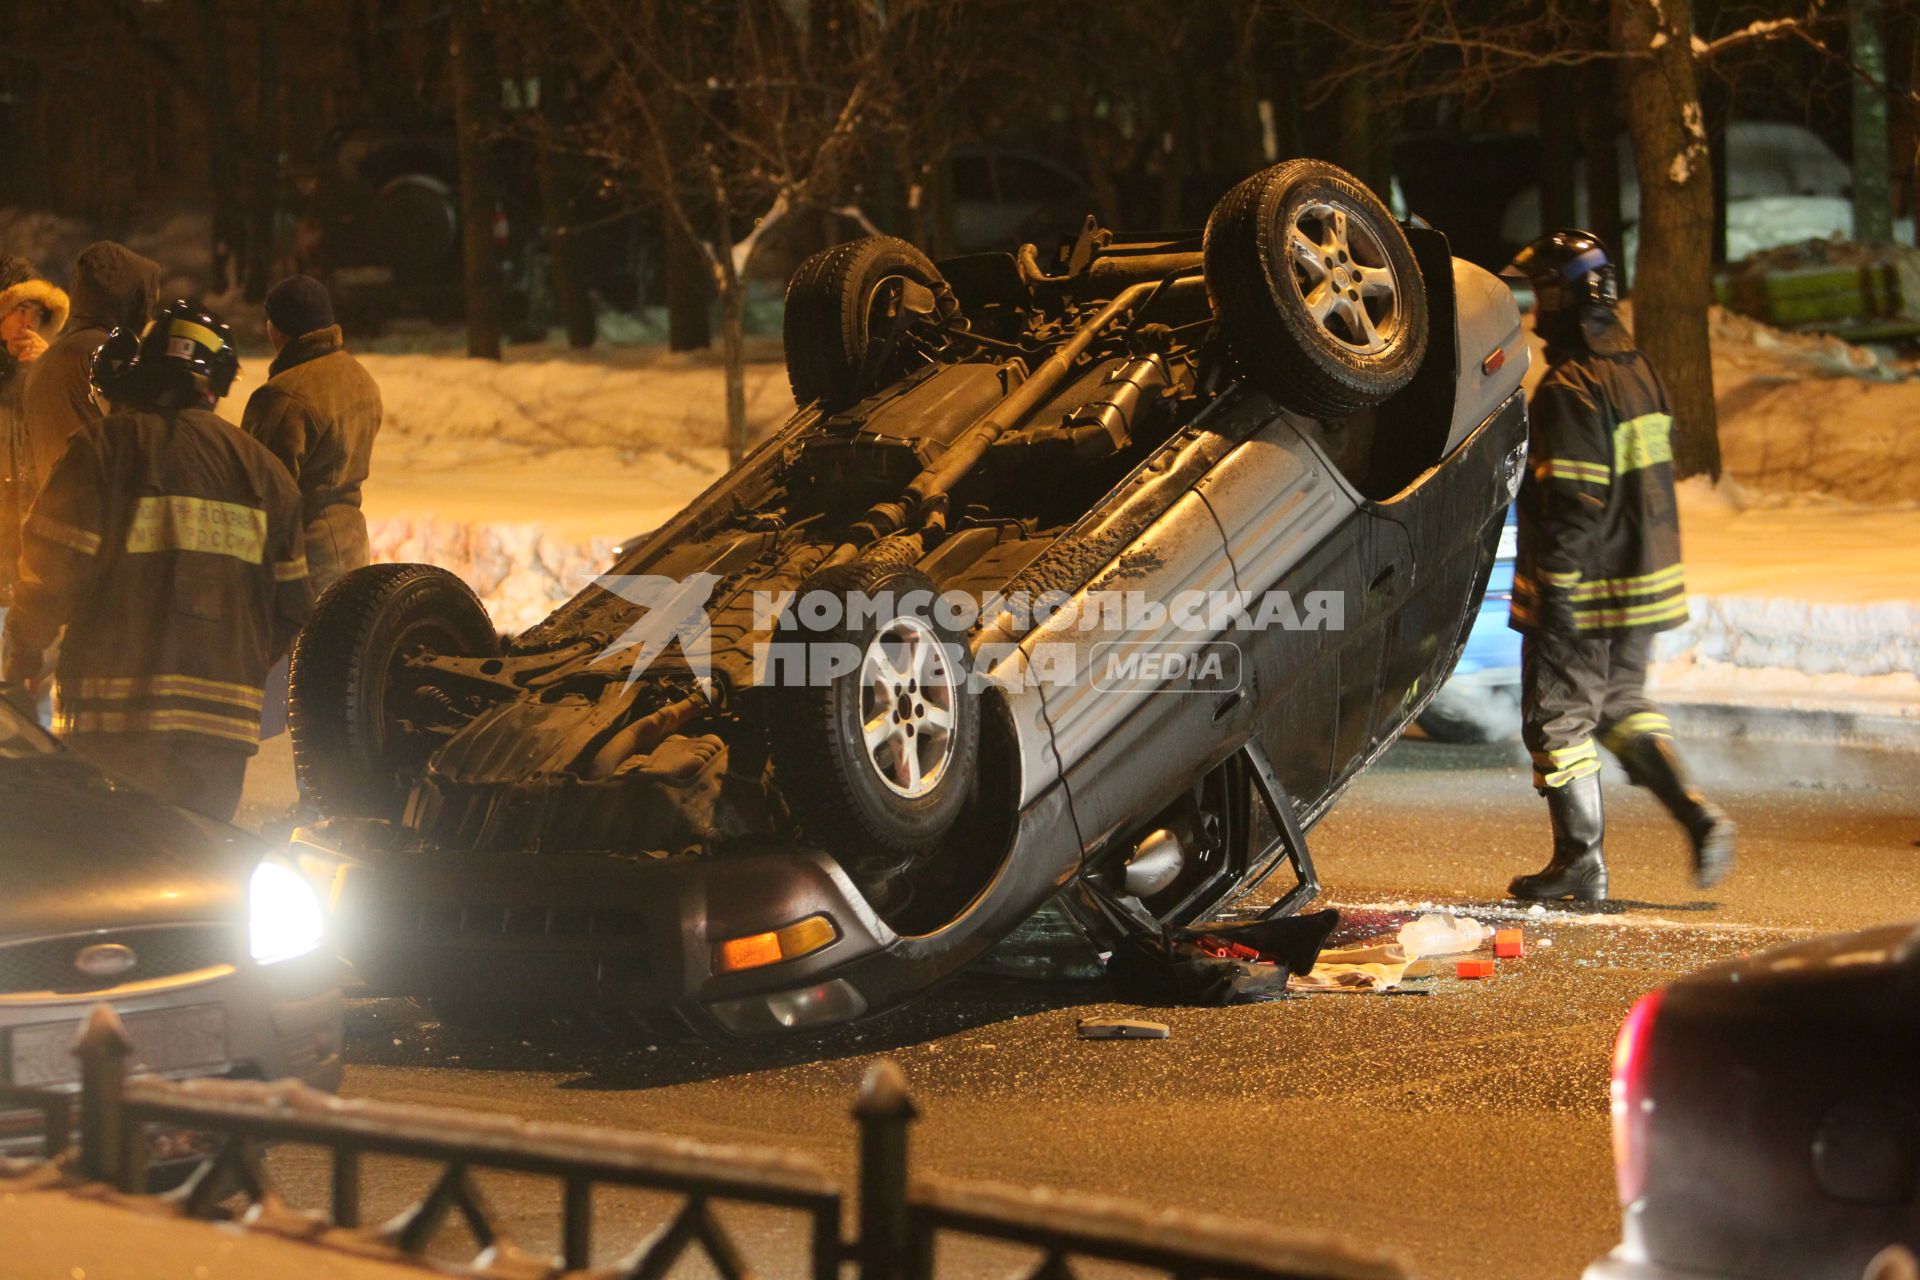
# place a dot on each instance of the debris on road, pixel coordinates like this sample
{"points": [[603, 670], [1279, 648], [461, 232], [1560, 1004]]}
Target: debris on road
{"points": [[1474, 969], [1436, 935], [1122, 1029], [1509, 944], [1219, 964]]}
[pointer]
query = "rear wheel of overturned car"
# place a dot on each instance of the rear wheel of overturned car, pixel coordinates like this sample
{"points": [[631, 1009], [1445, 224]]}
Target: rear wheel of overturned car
{"points": [[877, 737], [362, 725], [1317, 290], [859, 316]]}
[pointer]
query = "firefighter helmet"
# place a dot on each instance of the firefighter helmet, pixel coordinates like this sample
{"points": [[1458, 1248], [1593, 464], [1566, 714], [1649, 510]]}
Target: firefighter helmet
{"points": [[1568, 269], [183, 353]]}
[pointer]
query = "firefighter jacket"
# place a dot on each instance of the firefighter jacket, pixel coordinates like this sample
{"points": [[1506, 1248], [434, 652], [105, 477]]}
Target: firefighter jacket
{"points": [[1599, 534], [169, 545], [319, 411]]}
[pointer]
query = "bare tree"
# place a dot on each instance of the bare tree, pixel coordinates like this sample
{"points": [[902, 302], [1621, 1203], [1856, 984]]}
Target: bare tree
{"points": [[1872, 175], [1470, 47], [733, 122], [1675, 263], [476, 96]]}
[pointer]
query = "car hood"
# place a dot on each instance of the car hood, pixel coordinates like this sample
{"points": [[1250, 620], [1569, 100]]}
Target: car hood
{"points": [[79, 851], [1890, 950]]}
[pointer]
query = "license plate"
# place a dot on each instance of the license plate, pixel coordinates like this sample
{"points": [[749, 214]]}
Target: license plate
{"points": [[163, 1040]]}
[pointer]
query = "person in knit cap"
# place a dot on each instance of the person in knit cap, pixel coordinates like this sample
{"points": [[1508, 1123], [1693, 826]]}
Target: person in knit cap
{"points": [[318, 412], [113, 288], [31, 310]]}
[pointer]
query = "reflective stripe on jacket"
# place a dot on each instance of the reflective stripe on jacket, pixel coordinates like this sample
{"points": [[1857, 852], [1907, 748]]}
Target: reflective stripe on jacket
{"points": [[170, 548], [1598, 525]]}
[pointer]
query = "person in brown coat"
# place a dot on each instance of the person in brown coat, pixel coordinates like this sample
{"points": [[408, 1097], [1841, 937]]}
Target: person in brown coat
{"points": [[318, 412], [30, 309], [113, 288]]}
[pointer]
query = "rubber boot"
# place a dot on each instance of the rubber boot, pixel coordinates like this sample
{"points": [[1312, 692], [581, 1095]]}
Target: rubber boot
{"points": [[1579, 866], [1651, 762]]}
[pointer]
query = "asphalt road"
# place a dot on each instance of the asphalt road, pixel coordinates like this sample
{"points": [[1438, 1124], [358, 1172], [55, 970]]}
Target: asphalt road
{"points": [[1465, 1129]]}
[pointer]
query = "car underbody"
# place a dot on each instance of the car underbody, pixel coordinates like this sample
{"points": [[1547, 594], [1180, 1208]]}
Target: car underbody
{"points": [[690, 787]]}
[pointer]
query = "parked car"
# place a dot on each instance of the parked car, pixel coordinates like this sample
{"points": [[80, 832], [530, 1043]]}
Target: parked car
{"points": [[636, 805], [209, 946], [1480, 702], [1765, 1119]]}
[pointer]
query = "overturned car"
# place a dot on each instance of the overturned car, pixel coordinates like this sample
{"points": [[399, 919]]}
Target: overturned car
{"points": [[1088, 578]]}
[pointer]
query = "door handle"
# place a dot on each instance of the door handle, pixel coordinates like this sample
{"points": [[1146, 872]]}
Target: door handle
{"points": [[1385, 580]]}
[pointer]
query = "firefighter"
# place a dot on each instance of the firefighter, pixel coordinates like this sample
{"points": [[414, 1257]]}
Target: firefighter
{"points": [[169, 545], [1598, 573]]}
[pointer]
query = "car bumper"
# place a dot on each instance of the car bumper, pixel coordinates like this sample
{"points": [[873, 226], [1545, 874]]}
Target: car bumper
{"points": [[276, 1022], [547, 932]]}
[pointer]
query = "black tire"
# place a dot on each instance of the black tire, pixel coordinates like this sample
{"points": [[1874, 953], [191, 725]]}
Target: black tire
{"points": [[841, 344], [353, 754], [1331, 367], [825, 771]]}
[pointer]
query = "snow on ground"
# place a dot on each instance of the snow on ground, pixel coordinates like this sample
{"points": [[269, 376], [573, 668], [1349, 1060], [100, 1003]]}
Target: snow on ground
{"points": [[522, 476]]}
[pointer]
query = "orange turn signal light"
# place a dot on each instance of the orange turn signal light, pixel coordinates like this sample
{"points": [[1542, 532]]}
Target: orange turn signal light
{"points": [[757, 950]]}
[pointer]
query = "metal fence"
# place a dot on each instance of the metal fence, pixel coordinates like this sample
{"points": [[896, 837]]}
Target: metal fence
{"points": [[901, 1224]]}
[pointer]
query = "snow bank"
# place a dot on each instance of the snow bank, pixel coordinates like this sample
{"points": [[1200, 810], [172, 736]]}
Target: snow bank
{"points": [[523, 475], [520, 571]]}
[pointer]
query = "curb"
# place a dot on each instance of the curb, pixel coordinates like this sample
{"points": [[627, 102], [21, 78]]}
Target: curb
{"points": [[1804, 724]]}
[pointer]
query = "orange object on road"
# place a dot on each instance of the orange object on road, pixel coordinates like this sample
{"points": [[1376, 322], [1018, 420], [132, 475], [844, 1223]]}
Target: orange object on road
{"points": [[1509, 944], [1474, 969]]}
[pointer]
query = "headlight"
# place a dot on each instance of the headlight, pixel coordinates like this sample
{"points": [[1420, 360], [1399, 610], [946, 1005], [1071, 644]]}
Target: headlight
{"points": [[284, 917]]}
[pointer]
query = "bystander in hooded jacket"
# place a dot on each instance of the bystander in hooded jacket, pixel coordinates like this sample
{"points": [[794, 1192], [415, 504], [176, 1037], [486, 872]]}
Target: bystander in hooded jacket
{"points": [[113, 287], [31, 311], [318, 412]]}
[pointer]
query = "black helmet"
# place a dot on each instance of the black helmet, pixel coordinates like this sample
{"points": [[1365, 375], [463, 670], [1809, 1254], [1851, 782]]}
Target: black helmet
{"points": [[1568, 269], [183, 353], [113, 366]]}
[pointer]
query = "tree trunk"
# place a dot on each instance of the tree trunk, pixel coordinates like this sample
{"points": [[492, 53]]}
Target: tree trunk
{"points": [[222, 179], [1558, 130], [266, 154], [1872, 179], [1913, 134], [1716, 111], [1600, 159], [733, 347], [476, 92], [689, 288], [1675, 285], [557, 212]]}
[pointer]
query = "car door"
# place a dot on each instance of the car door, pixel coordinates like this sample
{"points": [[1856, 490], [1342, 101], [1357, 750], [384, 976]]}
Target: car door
{"points": [[1130, 732], [1453, 517]]}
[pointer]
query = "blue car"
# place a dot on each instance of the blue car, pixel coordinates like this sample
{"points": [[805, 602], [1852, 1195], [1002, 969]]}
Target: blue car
{"points": [[1480, 701]]}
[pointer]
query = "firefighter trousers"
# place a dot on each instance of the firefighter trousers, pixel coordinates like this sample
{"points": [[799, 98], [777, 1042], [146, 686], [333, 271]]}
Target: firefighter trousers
{"points": [[1575, 688], [180, 768]]}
